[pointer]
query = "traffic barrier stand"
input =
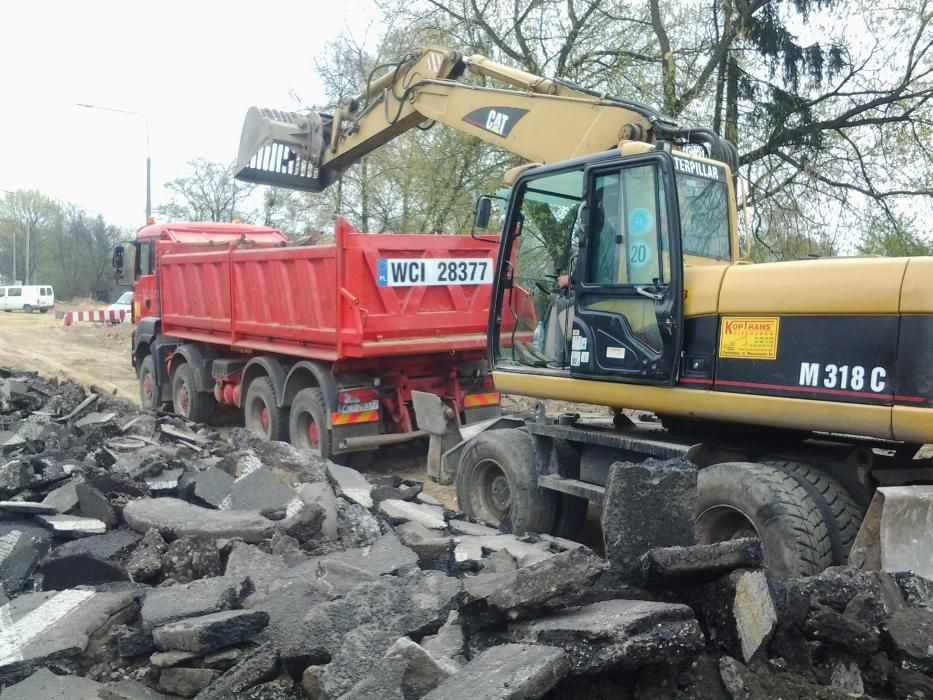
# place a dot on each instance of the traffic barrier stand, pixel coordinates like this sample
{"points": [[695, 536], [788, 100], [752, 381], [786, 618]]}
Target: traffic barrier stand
{"points": [[71, 317]]}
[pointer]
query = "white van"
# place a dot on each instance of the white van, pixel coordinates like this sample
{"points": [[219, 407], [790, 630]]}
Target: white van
{"points": [[28, 298]]}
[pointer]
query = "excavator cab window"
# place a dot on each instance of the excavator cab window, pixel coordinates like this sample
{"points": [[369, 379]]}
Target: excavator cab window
{"points": [[537, 307]]}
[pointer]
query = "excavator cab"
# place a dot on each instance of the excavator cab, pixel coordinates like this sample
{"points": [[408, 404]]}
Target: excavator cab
{"points": [[613, 224]]}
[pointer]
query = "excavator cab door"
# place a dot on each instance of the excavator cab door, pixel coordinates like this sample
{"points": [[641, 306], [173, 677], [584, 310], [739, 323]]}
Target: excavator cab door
{"points": [[628, 286]]}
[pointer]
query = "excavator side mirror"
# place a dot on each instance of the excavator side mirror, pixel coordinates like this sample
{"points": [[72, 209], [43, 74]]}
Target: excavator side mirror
{"points": [[482, 212], [118, 257]]}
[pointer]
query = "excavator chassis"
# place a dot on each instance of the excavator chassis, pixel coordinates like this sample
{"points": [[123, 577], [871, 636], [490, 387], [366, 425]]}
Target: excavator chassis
{"points": [[839, 476]]}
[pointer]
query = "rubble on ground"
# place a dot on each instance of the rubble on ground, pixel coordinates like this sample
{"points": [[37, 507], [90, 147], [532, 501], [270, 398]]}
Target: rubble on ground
{"points": [[142, 556]]}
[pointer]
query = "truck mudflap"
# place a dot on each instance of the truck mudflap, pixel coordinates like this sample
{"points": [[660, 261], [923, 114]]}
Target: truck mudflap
{"points": [[448, 438], [897, 532]]}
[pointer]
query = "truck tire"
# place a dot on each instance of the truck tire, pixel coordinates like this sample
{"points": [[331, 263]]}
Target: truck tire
{"points": [[187, 401], [497, 483], [307, 426], [27, 309], [43, 311], [746, 499], [307, 422], [571, 510], [261, 412], [840, 508], [150, 394]]}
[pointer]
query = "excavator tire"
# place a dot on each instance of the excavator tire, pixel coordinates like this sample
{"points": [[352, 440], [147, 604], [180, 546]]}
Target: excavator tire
{"points": [[747, 499], [571, 510], [497, 483], [844, 513]]}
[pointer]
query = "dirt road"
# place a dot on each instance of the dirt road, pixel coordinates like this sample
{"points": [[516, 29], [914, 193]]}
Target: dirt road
{"points": [[88, 353]]}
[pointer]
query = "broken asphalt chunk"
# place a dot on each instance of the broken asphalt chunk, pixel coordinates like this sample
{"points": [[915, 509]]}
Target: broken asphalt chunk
{"points": [[70, 571], [670, 565], [627, 634], [176, 518], [653, 506], [208, 595], [19, 554], [350, 484], [398, 511], [520, 592], [27, 508], [506, 672], [209, 632], [45, 684], [44, 626], [72, 525]]}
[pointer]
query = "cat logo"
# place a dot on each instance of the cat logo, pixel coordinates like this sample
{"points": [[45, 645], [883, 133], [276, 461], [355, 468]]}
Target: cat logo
{"points": [[496, 120]]}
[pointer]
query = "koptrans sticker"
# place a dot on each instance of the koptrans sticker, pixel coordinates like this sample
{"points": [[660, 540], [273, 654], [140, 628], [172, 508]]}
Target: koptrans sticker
{"points": [[749, 338], [407, 272]]}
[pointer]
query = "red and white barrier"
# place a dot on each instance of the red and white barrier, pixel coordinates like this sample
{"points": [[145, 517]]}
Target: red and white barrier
{"points": [[95, 317]]}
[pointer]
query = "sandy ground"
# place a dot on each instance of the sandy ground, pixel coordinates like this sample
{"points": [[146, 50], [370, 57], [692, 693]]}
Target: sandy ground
{"points": [[88, 353]]}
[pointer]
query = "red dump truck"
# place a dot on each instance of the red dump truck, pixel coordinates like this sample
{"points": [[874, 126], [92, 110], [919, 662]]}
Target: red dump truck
{"points": [[319, 345]]}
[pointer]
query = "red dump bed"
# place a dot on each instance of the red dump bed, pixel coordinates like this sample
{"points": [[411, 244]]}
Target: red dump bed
{"points": [[368, 295]]}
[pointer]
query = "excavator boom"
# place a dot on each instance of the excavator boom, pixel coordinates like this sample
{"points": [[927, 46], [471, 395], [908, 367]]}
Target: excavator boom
{"points": [[540, 119]]}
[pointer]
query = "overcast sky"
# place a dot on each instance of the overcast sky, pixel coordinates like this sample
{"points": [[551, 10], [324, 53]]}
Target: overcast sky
{"points": [[193, 68]]}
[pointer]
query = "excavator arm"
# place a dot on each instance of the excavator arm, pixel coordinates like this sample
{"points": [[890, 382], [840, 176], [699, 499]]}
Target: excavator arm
{"points": [[540, 119]]}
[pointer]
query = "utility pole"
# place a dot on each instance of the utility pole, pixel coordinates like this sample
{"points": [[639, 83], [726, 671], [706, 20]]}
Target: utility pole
{"points": [[28, 237], [13, 281], [148, 157]]}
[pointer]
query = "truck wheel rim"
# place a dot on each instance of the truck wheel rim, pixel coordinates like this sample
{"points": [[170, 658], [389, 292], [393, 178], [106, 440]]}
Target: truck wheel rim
{"points": [[307, 433], [264, 418], [183, 397], [147, 386]]}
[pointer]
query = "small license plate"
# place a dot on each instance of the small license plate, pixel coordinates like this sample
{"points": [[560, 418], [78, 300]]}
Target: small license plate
{"points": [[358, 407], [433, 272]]}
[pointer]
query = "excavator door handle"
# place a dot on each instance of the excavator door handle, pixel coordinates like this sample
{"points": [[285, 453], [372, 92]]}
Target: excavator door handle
{"points": [[650, 292]]}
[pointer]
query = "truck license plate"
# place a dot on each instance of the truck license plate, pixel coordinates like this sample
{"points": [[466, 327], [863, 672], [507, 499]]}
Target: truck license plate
{"points": [[433, 272], [359, 407]]}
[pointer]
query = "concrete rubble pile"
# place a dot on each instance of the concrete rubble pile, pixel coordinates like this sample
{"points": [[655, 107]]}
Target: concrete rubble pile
{"points": [[144, 557]]}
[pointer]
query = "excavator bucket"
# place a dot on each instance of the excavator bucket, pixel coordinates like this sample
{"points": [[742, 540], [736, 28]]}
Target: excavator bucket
{"points": [[897, 532], [281, 149]]}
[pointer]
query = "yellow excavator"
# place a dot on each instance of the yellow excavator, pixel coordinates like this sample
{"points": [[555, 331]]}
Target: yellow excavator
{"points": [[803, 391]]}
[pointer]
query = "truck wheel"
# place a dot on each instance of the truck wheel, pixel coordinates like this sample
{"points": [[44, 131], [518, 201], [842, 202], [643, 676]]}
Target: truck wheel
{"points": [[571, 510], [497, 482], [840, 508], [27, 309], [745, 499], [43, 311], [187, 401], [261, 413], [307, 422], [150, 394]]}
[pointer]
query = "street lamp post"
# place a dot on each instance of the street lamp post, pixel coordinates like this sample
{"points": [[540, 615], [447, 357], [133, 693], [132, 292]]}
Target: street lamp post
{"points": [[148, 158]]}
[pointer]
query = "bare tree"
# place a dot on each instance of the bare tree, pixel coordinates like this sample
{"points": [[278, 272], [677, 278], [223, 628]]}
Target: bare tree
{"points": [[208, 193], [833, 130]]}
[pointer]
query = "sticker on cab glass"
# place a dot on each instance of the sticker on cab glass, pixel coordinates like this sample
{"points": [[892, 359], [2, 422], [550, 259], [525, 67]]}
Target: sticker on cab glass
{"points": [[640, 222], [749, 338]]}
